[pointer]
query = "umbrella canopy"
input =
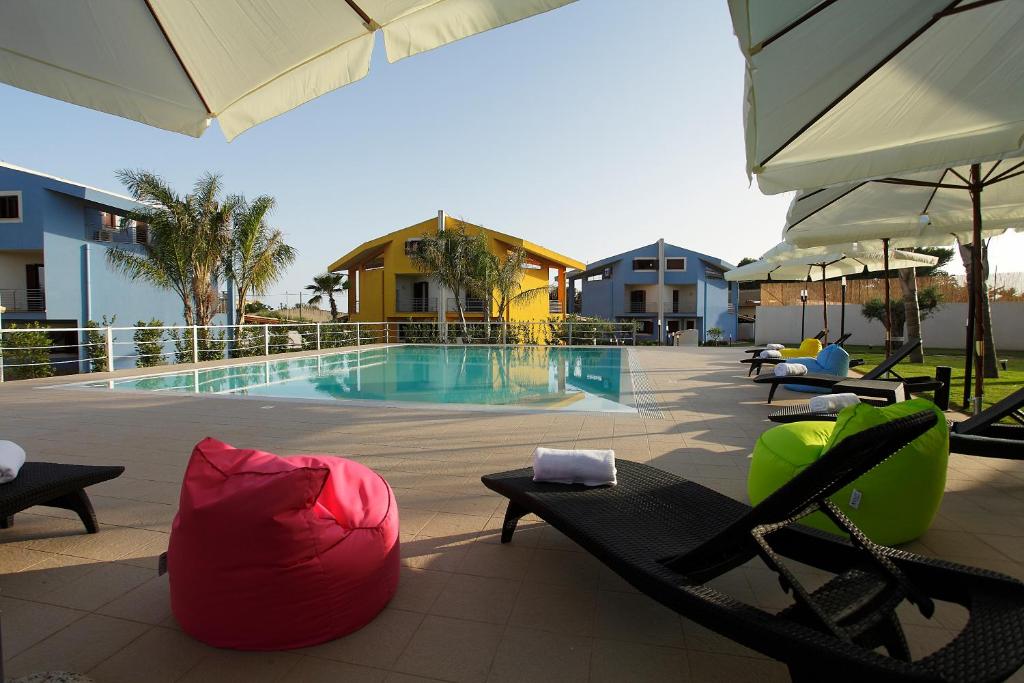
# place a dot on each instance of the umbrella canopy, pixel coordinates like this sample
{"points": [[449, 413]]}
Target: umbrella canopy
{"points": [[840, 90], [931, 208], [784, 262], [177, 65]]}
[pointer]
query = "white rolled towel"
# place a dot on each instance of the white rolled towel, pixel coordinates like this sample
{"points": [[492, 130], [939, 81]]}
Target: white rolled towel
{"points": [[830, 402], [771, 353], [12, 457], [567, 466], [775, 347], [790, 369]]}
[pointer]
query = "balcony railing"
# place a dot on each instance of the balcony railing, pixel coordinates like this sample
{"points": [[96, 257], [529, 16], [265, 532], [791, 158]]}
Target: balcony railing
{"points": [[638, 307], [100, 232], [415, 304], [554, 306], [469, 305], [23, 300]]}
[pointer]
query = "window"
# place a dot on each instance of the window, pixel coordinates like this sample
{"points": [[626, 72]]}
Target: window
{"points": [[675, 301], [637, 301], [675, 263], [645, 327], [712, 273], [10, 207], [413, 246], [645, 264]]}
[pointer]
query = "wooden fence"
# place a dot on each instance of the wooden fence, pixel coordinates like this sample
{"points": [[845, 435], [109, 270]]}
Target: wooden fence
{"points": [[1002, 287]]}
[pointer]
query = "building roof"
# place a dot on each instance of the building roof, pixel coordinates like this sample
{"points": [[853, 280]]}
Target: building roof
{"points": [[596, 266], [80, 190], [376, 246]]}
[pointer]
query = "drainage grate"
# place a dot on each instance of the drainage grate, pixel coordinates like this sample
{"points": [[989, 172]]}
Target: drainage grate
{"points": [[643, 394]]}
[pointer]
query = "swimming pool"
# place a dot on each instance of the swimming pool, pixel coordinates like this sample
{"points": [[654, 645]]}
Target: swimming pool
{"points": [[544, 378]]}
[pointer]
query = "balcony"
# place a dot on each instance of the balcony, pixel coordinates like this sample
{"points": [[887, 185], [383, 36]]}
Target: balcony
{"points": [[554, 306], [23, 300], [415, 304], [122, 232], [469, 305]]}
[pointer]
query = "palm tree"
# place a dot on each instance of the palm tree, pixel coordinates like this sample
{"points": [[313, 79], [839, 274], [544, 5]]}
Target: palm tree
{"points": [[188, 237], [258, 254], [448, 258], [327, 284]]}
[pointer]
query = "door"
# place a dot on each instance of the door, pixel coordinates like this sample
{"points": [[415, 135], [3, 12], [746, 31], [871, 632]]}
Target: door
{"points": [[34, 298], [675, 301], [691, 324], [638, 301], [420, 297], [673, 326]]}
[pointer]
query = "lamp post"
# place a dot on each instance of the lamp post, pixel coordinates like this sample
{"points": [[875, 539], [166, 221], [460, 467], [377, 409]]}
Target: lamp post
{"points": [[803, 311], [842, 308]]}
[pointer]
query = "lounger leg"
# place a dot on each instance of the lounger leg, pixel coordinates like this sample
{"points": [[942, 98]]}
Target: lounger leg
{"points": [[78, 502], [771, 392], [6, 522], [513, 514]]}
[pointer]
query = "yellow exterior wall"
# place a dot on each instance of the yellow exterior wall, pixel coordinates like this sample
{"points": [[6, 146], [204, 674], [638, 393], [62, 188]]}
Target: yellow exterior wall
{"points": [[377, 287]]}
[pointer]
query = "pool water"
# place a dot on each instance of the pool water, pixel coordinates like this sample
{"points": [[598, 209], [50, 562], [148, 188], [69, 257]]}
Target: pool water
{"points": [[547, 378]]}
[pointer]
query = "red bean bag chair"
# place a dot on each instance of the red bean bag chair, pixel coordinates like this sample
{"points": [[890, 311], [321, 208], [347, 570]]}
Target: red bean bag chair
{"points": [[270, 553]]}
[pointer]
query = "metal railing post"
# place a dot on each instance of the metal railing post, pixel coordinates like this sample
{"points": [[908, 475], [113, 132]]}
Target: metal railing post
{"points": [[266, 339], [2, 309], [570, 334], [318, 336], [359, 336], [195, 344], [634, 334], [110, 349]]}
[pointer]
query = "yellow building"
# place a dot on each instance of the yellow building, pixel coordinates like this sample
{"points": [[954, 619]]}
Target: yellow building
{"points": [[384, 284]]}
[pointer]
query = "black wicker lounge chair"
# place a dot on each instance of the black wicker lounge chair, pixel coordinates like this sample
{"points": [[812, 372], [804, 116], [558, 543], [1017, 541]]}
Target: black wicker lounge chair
{"points": [[884, 371], [54, 485], [987, 435], [756, 362], [667, 536]]}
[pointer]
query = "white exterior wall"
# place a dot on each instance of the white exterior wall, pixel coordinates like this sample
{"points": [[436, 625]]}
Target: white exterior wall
{"points": [[945, 329]]}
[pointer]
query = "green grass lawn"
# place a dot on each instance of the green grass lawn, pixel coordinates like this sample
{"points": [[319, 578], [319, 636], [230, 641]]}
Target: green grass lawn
{"points": [[995, 389]]}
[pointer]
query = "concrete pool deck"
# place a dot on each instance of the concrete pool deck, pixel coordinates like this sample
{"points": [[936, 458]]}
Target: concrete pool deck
{"points": [[468, 609]]}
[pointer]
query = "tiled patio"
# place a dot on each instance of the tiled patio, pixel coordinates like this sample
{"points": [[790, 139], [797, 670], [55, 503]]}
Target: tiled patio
{"points": [[468, 609]]}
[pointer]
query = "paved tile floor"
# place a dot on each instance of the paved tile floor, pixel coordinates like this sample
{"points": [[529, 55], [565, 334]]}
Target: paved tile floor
{"points": [[468, 609]]}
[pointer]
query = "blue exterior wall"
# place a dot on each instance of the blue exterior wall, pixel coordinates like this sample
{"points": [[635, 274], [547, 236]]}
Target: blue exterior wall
{"points": [[59, 219], [609, 298]]}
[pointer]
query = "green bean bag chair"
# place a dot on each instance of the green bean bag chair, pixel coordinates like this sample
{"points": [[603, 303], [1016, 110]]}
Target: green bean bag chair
{"points": [[893, 503]]}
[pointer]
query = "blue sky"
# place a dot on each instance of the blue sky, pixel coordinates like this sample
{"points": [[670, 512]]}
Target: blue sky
{"points": [[592, 129]]}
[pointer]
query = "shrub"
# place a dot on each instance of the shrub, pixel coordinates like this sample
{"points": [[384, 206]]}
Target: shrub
{"points": [[248, 341], [149, 347], [211, 345], [26, 355], [96, 340]]}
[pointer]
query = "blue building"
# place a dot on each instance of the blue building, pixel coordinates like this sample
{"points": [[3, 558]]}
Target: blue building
{"points": [[664, 288], [54, 237]]}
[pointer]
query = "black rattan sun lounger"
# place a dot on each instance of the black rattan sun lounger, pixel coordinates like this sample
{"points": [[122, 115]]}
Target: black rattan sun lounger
{"points": [[54, 485], [987, 435], [667, 536], [826, 380]]}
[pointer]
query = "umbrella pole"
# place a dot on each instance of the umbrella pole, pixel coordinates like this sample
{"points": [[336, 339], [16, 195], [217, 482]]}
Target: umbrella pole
{"points": [[976, 270], [824, 304], [888, 302], [842, 308]]}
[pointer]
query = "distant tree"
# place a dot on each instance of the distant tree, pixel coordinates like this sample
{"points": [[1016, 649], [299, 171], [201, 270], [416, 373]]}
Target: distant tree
{"points": [[257, 255], [449, 257], [746, 260], [327, 285], [929, 299], [188, 238], [256, 307]]}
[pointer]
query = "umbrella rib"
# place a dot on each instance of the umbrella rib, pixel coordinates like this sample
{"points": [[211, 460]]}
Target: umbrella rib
{"points": [[1005, 174], [928, 204], [954, 172], [969, 5], [370, 23], [991, 171], [826, 205], [919, 183], [856, 84], [177, 56], [792, 25]]}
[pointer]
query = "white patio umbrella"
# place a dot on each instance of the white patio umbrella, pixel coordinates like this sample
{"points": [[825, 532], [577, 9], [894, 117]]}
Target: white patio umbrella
{"points": [[784, 262], [178, 65], [840, 90], [930, 208]]}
